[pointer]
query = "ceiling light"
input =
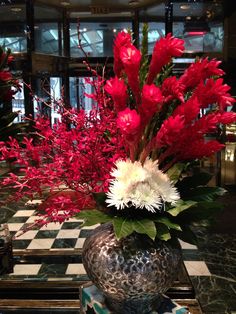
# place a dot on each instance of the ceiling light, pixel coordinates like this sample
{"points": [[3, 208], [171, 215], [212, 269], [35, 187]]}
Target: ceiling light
{"points": [[16, 9], [133, 2], [185, 6], [188, 18], [65, 3]]}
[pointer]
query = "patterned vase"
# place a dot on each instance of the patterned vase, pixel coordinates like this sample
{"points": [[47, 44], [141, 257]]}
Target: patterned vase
{"points": [[133, 272]]}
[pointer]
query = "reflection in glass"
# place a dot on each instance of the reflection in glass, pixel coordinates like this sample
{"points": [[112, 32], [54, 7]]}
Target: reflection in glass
{"points": [[13, 27], [200, 24], [155, 32], [96, 38], [78, 87], [46, 38], [18, 103]]}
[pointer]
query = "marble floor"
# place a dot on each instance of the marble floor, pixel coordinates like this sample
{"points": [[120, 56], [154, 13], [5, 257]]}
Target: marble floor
{"points": [[211, 265]]}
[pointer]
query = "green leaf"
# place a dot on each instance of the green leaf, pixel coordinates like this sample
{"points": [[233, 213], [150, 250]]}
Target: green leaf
{"points": [[145, 226], [175, 172], [92, 217], [201, 178], [205, 193], [162, 232], [180, 207], [187, 235], [168, 223], [100, 199], [122, 227], [201, 211]]}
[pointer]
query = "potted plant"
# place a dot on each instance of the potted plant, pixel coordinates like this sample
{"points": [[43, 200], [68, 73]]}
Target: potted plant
{"points": [[130, 165]]}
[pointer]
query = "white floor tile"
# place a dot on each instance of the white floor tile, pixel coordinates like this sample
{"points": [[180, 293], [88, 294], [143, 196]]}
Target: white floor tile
{"points": [[51, 226], [15, 226], [79, 243], [68, 233], [24, 213], [75, 269], [197, 268], [26, 269], [37, 244], [28, 235], [187, 246]]}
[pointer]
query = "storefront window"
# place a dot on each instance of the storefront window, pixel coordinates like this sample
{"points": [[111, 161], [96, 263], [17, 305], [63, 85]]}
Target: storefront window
{"points": [[78, 87], [200, 24], [155, 31], [13, 30], [47, 31], [96, 38]]}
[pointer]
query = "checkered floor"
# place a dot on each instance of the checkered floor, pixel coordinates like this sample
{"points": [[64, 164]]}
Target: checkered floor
{"points": [[66, 238]]}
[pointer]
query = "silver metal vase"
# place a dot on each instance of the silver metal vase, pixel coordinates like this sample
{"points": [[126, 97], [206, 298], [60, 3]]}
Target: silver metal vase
{"points": [[133, 272]]}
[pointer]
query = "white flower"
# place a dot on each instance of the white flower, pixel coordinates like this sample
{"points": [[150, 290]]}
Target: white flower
{"points": [[142, 186]]}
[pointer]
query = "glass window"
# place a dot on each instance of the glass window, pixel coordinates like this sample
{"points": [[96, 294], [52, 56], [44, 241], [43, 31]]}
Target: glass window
{"points": [[155, 31], [78, 87], [96, 38], [48, 35], [200, 24], [46, 38], [18, 103], [13, 28], [155, 17]]}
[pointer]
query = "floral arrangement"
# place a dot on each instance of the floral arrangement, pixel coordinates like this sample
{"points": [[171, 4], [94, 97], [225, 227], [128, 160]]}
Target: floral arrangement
{"points": [[132, 159]]}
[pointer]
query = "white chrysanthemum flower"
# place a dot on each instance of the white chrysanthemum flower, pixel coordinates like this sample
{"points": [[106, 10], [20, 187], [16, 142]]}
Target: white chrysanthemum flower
{"points": [[124, 168], [141, 186]]}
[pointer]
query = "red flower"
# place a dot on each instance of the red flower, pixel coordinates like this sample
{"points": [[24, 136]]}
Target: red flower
{"points": [[164, 49], [128, 121], [5, 76], [214, 91], [169, 131], [200, 71], [227, 117], [172, 89], [123, 39], [118, 91], [131, 57], [199, 149], [151, 101], [189, 110]]}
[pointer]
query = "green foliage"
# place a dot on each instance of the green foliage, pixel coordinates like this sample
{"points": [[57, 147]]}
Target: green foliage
{"points": [[198, 204], [144, 52], [8, 128], [93, 216], [175, 172], [180, 207]]}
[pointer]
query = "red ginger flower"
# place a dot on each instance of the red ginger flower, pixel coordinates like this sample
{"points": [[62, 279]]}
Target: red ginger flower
{"points": [[214, 91], [131, 57], [199, 149], [151, 101], [227, 117], [172, 89], [189, 110], [123, 39], [128, 121], [200, 71], [118, 91], [151, 95], [5, 76], [169, 131], [164, 49]]}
